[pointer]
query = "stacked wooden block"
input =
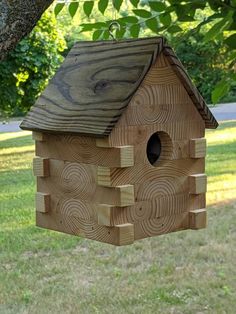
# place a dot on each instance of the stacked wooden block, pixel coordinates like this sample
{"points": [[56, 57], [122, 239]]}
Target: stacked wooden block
{"points": [[89, 195]]}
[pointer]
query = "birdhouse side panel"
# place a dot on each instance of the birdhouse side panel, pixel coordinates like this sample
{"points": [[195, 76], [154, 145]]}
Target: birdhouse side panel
{"points": [[68, 198], [175, 185]]}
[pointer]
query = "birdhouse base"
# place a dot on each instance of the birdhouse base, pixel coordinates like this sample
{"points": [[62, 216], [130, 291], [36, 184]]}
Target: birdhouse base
{"points": [[121, 234]]}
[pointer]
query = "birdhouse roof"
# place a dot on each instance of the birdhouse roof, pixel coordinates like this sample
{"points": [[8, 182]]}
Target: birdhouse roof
{"points": [[95, 83]]}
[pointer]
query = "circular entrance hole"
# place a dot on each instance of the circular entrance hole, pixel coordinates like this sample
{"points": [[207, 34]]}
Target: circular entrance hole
{"points": [[159, 147], [153, 148]]}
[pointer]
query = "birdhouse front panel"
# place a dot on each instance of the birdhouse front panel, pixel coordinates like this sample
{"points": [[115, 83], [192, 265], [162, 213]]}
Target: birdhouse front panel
{"points": [[138, 168]]}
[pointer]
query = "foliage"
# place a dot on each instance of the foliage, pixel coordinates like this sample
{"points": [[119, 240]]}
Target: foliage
{"points": [[25, 72], [168, 17], [203, 60]]}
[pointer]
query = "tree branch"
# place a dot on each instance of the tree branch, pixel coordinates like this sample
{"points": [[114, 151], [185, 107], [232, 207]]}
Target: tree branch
{"points": [[17, 19]]}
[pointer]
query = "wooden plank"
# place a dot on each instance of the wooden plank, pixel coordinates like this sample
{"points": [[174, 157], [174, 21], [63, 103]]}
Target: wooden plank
{"points": [[39, 136], [126, 195], [84, 150], [59, 188], [197, 183], [198, 219], [92, 104], [161, 206], [198, 101], [103, 142], [80, 179], [197, 148], [104, 176], [163, 75], [41, 167], [135, 134], [147, 113], [71, 176], [117, 235], [126, 156], [91, 89], [104, 214], [112, 235], [42, 201], [162, 225], [126, 234]]}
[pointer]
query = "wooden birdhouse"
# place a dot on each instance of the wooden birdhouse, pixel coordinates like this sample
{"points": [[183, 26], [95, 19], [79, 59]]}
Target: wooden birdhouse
{"points": [[120, 147]]}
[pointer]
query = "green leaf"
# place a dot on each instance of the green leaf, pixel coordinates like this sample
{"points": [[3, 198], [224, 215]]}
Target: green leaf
{"points": [[174, 29], [165, 19], [120, 32], [231, 41], [128, 19], [88, 7], [117, 4], [58, 8], [106, 34], [220, 90], [152, 24], [142, 13], [231, 20], [216, 28], [97, 34], [99, 25], [134, 30], [73, 6], [186, 18], [157, 6], [134, 3], [87, 27], [214, 5], [102, 5]]}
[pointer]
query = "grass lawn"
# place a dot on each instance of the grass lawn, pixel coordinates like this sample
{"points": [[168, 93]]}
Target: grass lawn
{"points": [[185, 272]]}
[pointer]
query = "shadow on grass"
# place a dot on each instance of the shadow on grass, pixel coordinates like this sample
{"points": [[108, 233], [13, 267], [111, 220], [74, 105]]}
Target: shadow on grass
{"points": [[17, 142], [222, 203]]}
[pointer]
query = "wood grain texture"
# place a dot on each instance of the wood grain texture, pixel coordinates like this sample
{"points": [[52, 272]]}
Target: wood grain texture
{"points": [[146, 210], [39, 136], [84, 150], [198, 219], [198, 183], [161, 98], [72, 177], [198, 101], [135, 134], [162, 225], [104, 214], [41, 167], [112, 235], [43, 202], [197, 148], [93, 86], [68, 186], [117, 235], [157, 205], [96, 82]]}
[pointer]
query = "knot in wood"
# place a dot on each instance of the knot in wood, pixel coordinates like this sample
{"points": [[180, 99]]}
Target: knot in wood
{"points": [[101, 86]]}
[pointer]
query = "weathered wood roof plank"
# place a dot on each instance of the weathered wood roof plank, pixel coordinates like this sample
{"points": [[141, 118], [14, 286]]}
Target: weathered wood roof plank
{"points": [[96, 82]]}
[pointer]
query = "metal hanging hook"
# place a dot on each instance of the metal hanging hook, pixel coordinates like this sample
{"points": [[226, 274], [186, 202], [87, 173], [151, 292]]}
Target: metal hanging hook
{"points": [[111, 27]]}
